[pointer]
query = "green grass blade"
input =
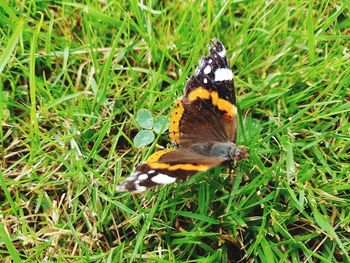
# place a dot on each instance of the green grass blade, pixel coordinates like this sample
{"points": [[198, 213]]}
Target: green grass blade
{"points": [[9, 245], [11, 44]]}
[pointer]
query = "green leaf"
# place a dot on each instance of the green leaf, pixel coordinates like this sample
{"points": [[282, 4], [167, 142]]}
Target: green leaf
{"points": [[144, 119], [143, 138], [161, 125]]}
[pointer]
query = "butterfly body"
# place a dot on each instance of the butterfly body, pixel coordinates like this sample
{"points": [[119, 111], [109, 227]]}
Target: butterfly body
{"points": [[227, 151], [203, 126]]}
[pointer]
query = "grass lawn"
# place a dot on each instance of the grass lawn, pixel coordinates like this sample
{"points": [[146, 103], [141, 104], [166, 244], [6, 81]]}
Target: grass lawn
{"points": [[73, 77]]}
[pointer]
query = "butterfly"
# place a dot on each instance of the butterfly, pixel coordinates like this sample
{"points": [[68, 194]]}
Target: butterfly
{"points": [[203, 127]]}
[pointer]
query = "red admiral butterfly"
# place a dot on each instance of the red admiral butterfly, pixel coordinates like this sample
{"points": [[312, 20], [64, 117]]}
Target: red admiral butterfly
{"points": [[203, 126]]}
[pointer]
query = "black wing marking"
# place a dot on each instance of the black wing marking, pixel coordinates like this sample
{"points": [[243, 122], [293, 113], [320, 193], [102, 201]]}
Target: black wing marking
{"points": [[214, 73]]}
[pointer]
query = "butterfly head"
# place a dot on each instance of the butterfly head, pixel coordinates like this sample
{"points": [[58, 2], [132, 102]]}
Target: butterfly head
{"points": [[238, 152]]}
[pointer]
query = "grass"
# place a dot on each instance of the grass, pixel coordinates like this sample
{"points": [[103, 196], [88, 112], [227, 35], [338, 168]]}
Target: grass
{"points": [[73, 76]]}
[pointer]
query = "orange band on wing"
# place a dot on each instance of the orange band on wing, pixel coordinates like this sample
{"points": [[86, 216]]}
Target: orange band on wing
{"points": [[176, 116], [198, 93], [155, 157], [153, 164], [222, 104], [185, 167]]}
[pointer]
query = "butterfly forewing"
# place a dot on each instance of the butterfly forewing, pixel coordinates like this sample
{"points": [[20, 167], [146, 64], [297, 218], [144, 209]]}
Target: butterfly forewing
{"points": [[167, 166], [207, 111]]}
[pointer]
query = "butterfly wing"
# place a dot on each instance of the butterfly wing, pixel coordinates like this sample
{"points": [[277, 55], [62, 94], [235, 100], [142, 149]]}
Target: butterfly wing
{"points": [[207, 111], [165, 167]]}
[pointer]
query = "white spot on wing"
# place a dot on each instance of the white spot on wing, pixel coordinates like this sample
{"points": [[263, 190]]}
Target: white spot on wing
{"points": [[163, 179], [201, 65], [121, 188], [151, 171], [210, 60], [223, 74], [140, 188], [207, 69], [205, 80], [143, 177], [222, 53], [132, 177]]}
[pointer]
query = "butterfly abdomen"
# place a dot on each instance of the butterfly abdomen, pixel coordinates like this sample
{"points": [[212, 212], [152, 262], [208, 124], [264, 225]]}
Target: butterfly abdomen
{"points": [[223, 150]]}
